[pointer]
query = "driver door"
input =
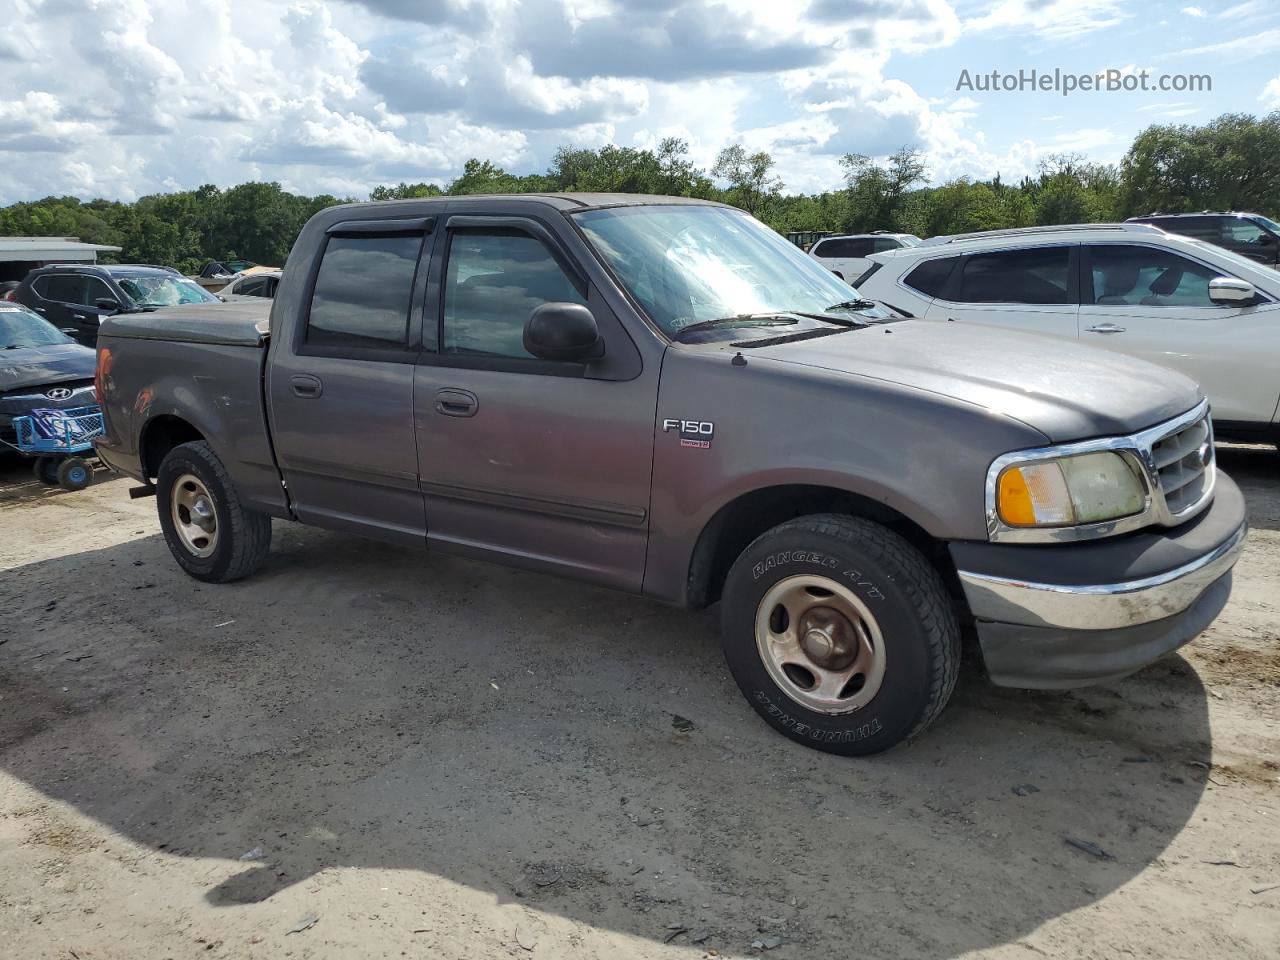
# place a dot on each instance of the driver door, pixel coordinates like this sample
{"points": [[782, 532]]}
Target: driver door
{"points": [[536, 463]]}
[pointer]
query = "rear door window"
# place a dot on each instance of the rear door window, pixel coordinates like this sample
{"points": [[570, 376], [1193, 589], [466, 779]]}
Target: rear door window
{"points": [[1036, 276], [844, 247], [65, 288], [363, 293]]}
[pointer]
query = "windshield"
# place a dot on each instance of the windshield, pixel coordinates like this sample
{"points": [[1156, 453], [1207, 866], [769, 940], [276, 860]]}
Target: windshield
{"points": [[21, 328], [690, 264], [910, 240], [1267, 222], [164, 291], [1211, 252]]}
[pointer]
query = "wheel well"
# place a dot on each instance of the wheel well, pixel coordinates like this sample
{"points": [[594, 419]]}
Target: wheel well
{"points": [[160, 436], [739, 522]]}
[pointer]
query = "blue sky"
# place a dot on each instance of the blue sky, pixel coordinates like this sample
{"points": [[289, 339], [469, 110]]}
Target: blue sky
{"points": [[119, 98]]}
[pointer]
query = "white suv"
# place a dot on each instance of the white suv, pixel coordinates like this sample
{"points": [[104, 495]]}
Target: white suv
{"points": [[846, 256], [1180, 302]]}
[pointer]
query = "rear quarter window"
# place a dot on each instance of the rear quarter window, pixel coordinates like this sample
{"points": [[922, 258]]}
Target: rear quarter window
{"points": [[932, 276]]}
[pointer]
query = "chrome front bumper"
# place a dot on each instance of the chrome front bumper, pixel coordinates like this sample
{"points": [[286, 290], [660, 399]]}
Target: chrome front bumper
{"points": [[1106, 606]]}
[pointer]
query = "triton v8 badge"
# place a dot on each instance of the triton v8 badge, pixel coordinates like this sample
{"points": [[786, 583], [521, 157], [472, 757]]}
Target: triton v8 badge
{"points": [[693, 433]]}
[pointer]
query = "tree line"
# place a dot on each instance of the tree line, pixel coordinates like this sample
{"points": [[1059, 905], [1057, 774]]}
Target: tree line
{"points": [[1230, 163]]}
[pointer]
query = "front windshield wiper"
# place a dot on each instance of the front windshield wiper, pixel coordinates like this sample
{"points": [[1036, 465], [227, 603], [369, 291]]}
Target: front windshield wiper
{"points": [[861, 303], [738, 320]]}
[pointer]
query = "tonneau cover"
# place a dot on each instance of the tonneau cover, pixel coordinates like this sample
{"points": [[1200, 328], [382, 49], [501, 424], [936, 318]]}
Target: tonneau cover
{"points": [[238, 323]]}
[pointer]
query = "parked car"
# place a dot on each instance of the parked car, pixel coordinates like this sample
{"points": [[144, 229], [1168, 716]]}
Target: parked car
{"points": [[1248, 234], [75, 297], [1132, 288], [41, 368], [256, 284], [664, 396], [846, 256]]}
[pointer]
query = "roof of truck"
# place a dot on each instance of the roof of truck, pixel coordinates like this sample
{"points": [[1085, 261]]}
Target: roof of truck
{"points": [[562, 201]]}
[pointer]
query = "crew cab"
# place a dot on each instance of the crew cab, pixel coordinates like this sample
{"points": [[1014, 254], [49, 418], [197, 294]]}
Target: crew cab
{"points": [[664, 396]]}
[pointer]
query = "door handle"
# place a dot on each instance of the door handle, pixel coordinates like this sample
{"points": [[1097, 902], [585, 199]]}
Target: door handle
{"points": [[457, 403], [40, 309], [80, 316], [307, 386], [1104, 328]]}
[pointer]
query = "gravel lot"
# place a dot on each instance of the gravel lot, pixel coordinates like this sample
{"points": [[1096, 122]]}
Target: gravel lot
{"points": [[439, 758]]}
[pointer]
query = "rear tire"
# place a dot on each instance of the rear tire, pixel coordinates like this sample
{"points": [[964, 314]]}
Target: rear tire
{"points": [[45, 469], [210, 533], [840, 634]]}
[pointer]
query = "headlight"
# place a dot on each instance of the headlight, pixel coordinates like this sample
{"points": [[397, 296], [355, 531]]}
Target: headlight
{"points": [[1069, 491]]}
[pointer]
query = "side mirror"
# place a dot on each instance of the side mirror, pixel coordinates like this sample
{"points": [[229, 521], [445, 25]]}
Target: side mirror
{"points": [[1230, 292], [1266, 240], [69, 331], [563, 332], [107, 304]]}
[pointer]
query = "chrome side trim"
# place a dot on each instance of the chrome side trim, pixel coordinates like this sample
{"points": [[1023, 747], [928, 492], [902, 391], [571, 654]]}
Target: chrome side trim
{"points": [[1100, 606], [1136, 448]]}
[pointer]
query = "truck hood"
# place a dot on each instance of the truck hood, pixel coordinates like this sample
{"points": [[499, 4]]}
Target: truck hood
{"points": [[39, 366], [1064, 390]]}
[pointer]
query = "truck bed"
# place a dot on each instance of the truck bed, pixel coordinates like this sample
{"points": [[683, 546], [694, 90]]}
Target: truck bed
{"points": [[239, 323]]}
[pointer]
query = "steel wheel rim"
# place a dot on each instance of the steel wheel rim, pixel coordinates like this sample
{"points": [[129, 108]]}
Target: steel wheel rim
{"points": [[820, 644], [194, 517]]}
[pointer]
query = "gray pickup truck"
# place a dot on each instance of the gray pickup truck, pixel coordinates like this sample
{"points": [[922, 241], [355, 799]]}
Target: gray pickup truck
{"points": [[664, 396]]}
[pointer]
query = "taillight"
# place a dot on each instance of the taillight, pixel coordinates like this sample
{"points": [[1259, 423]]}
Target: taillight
{"points": [[100, 372], [12, 295]]}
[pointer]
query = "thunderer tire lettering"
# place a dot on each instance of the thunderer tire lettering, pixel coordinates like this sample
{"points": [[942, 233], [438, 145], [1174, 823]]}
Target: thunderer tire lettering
{"points": [[809, 731], [791, 556]]}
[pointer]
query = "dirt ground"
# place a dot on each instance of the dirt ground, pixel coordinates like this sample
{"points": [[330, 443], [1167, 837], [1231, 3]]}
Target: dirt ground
{"points": [[436, 758]]}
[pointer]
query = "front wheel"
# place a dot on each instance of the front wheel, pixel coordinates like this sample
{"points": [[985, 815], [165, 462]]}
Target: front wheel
{"points": [[210, 533], [840, 634], [74, 473]]}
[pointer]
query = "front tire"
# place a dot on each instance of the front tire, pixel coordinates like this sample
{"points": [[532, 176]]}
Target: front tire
{"points": [[209, 532], [840, 634], [74, 473]]}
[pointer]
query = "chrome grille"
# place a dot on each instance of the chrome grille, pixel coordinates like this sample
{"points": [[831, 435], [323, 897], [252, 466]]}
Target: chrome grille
{"points": [[1184, 462]]}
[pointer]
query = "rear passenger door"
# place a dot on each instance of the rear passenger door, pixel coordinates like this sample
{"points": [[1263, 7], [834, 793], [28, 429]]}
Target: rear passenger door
{"points": [[1031, 288], [535, 463], [341, 391], [59, 293]]}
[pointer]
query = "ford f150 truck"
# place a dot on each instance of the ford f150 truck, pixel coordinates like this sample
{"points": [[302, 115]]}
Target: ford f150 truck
{"points": [[664, 396]]}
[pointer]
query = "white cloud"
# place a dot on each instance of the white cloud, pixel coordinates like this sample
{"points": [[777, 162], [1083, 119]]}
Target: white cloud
{"points": [[126, 97], [1271, 94], [1247, 47], [1194, 12], [1053, 19]]}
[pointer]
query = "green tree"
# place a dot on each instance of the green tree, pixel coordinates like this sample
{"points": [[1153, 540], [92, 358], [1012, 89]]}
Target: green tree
{"points": [[875, 193], [405, 191], [752, 184], [1230, 163]]}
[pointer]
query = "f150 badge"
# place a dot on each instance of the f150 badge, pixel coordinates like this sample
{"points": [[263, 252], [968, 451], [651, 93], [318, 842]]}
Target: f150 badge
{"points": [[693, 433]]}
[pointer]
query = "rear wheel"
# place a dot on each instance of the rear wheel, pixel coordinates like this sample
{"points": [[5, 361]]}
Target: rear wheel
{"points": [[45, 469], [210, 533], [840, 634]]}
